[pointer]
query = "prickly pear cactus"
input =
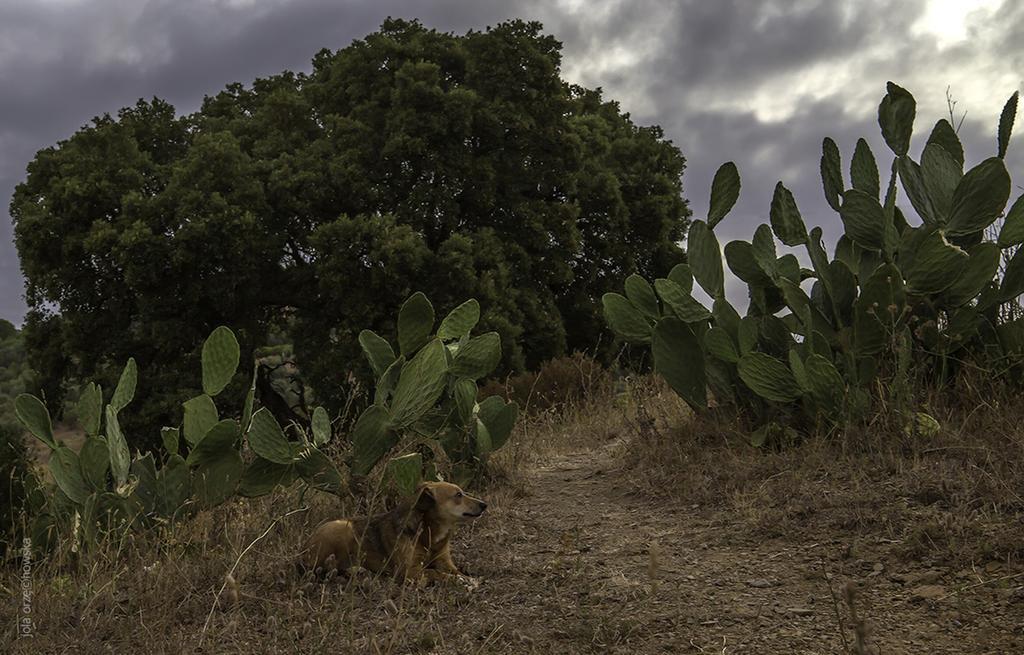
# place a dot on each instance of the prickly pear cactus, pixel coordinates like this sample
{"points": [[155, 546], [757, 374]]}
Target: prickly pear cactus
{"points": [[920, 287], [103, 487], [429, 391]]}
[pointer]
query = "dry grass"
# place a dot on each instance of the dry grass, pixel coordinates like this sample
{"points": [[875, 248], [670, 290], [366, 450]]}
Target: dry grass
{"points": [[158, 591], [953, 498], [616, 524]]}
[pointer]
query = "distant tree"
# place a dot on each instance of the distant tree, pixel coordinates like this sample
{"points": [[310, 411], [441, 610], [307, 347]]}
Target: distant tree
{"points": [[410, 160]]}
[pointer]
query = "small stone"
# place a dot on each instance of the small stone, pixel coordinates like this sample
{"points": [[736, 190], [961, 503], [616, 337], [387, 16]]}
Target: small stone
{"points": [[927, 592], [759, 583]]}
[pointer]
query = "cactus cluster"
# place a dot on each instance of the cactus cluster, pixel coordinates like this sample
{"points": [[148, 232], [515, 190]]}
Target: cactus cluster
{"points": [[428, 389], [102, 487], [893, 293]]}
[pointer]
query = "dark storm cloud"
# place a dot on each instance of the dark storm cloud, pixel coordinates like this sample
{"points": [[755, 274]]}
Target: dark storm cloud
{"points": [[757, 83]]}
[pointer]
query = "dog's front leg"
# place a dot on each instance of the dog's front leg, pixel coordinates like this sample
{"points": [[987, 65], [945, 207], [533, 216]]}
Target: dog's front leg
{"points": [[442, 562], [413, 573]]}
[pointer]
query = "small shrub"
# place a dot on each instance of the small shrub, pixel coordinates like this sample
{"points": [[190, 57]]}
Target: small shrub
{"points": [[559, 381]]}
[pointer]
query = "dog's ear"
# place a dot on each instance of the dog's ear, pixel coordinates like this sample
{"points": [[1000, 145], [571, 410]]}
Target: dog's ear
{"points": [[424, 497]]}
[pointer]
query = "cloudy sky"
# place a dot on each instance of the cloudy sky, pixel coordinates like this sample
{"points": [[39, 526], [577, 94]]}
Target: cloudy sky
{"points": [[758, 83]]}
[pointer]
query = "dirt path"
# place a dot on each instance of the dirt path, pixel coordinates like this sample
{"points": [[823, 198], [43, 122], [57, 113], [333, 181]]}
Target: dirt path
{"points": [[600, 569]]}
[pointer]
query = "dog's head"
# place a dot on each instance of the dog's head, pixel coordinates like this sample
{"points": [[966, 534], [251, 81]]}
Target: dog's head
{"points": [[448, 502]]}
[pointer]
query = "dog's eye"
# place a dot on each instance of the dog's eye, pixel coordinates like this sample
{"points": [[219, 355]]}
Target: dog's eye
{"points": [[458, 496]]}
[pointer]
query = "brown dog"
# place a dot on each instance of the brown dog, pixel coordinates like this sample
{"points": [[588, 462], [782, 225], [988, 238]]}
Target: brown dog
{"points": [[411, 542]]}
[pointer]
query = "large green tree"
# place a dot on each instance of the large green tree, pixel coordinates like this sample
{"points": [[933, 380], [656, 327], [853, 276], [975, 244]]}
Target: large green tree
{"points": [[410, 160]]}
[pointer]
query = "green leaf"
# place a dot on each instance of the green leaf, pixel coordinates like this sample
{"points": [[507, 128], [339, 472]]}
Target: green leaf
{"points": [[763, 249], [1006, 118], [372, 437], [819, 258], [220, 360], [825, 383], [896, 118], [682, 304], [200, 416], [844, 287], [979, 198], [262, 477], [1013, 278], [705, 259], [725, 189], [624, 319], [147, 488], [747, 337], [219, 438], [174, 486], [415, 323], [387, 382], [640, 293], [481, 439], [941, 175], [460, 321], [768, 377], [864, 170], [863, 218], [321, 425], [831, 173], [785, 217], [800, 304], [719, 344], [726, 317], [423, 379], [125, 390], [120, 459], [33, 415], [879, 306], [937, 265], [982, 264], [944, 135], [170, 438], [266, 438], [94, 460], [681, 275], [405, 472], [1012, 232], [465, 392], [68, 474], [740, 257], [318, 470], [477, 358], [917, 191], [799, 370], [847, 252], [217, 477], [500, 419], [90, 409], [679, 358], [377, 350]]}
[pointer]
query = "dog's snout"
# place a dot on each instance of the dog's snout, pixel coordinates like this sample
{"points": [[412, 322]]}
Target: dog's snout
{"points": [[483, 505]]}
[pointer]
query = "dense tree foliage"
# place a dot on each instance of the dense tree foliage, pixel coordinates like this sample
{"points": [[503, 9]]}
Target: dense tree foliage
{"points": [[411, 160], [15, 374]]}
